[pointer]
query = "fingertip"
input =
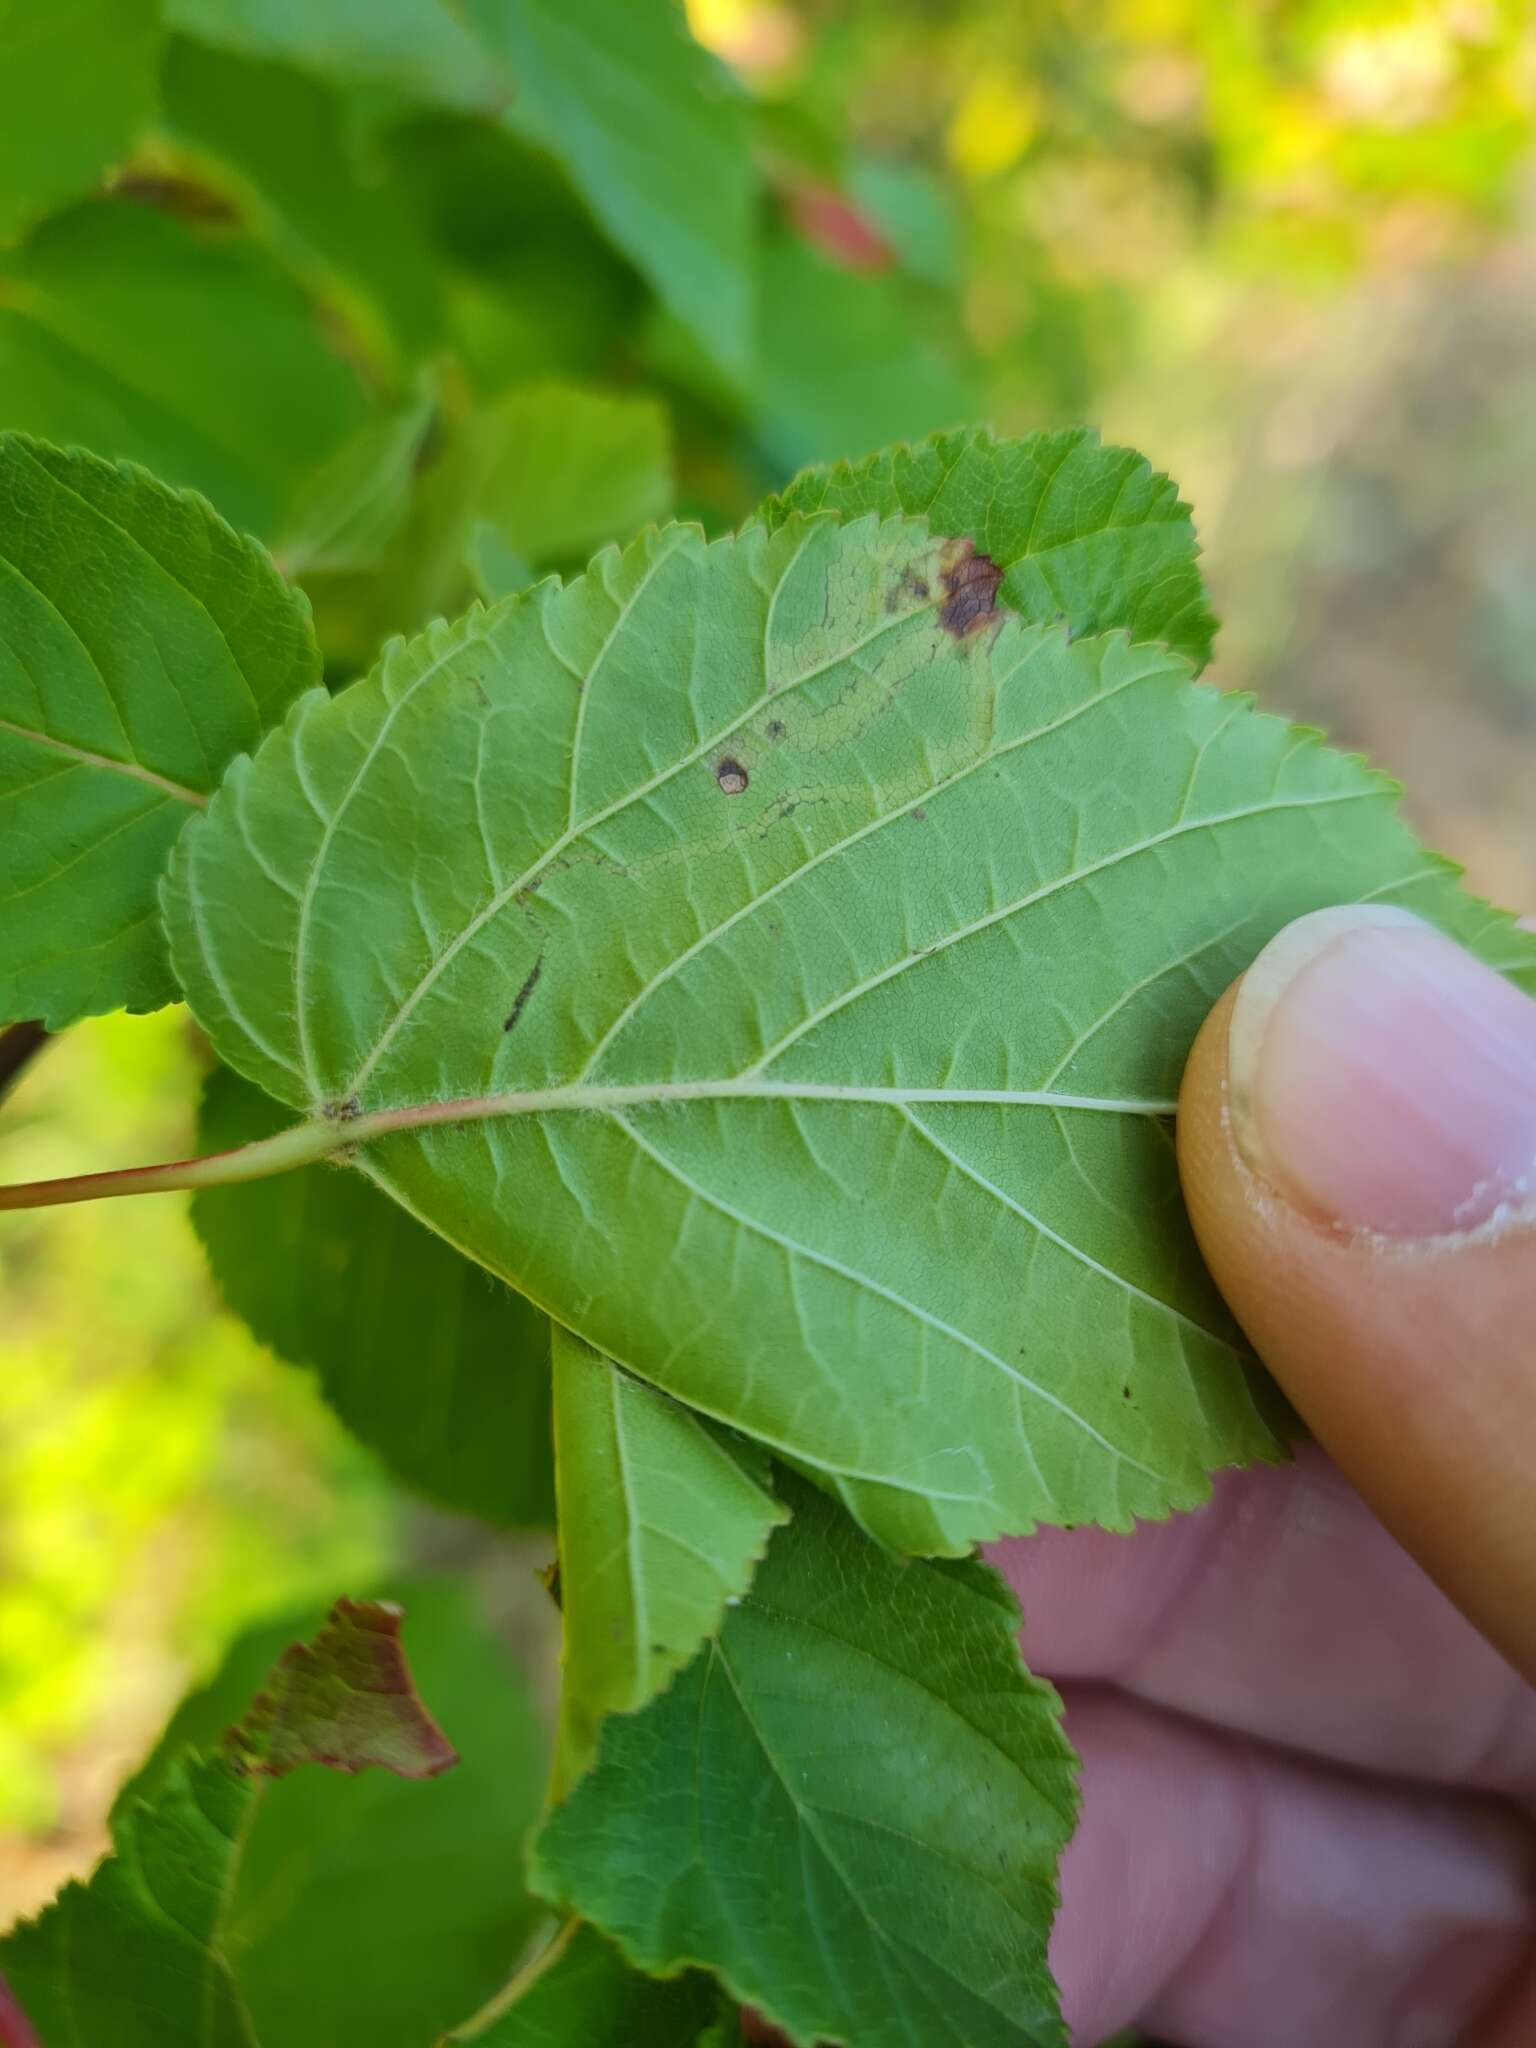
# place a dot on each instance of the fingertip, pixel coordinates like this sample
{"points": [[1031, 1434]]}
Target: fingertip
{"points": [[1357, 1139]]}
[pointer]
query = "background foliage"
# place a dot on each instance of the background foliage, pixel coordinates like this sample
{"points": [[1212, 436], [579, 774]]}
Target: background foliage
{"points": [[392, 286]]}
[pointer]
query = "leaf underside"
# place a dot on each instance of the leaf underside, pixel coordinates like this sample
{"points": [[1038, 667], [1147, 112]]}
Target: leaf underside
{"points": [[852, 1804], [848, 937]]}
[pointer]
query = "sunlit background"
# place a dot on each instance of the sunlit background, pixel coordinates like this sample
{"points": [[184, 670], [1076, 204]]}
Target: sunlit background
{"points": [[1289, 249]]}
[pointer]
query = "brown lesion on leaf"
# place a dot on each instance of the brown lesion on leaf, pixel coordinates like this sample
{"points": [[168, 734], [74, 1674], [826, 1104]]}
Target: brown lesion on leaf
{"points": [[970, 583], [731, 775], [520, 1000]]}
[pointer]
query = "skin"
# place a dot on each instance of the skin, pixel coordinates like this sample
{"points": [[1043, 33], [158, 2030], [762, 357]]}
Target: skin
{"points": [[1305, 1713]]}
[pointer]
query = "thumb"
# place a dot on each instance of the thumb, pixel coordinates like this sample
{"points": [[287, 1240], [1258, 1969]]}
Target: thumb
{"points": [[1357, 1138]]}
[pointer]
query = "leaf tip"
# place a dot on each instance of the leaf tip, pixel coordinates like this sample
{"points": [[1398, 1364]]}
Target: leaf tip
{"points": [[346, 1701]]}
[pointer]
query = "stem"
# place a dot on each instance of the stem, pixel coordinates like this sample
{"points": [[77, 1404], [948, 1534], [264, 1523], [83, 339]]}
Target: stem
{"points": [[299, 1146], [521, 1981]]}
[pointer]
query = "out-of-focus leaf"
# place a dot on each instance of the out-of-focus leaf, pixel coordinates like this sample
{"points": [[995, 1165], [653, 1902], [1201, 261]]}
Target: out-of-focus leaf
{"points": [[241, 1906], [1089, 535], [567, 470], [910, 208], [283, 136], [850, 1806], [420, 48], [142, 646], [579, 1990], [842, 363], [417, 1888], [662, 1521], [355, 504], [494, 568], [180, 348], [79, 81], [441, 1370], [653, 132]]}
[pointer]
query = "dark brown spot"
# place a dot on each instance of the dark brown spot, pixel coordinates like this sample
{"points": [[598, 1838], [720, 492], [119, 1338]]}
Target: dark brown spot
{"points": [[921, 815], [731, 776], [775, 728], [342, 1112], [970, 589], [520, 1000]]}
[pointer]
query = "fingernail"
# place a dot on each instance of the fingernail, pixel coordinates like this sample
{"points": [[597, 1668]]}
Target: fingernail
{"points": [[1381, 1078]]}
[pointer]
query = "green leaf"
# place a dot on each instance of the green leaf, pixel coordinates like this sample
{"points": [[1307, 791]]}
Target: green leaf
{"points": [[145, 1952], [438, 1368], [845, 362], [176, 347], [653, 133], [661, 1526], [419, 48], [851, 1805], [810, 958], [567, 469], [580, 1989], [371, 1910], [142, 646], [348, 231], [357, 502], [1089, 535], [495, 570], [79, 84]]}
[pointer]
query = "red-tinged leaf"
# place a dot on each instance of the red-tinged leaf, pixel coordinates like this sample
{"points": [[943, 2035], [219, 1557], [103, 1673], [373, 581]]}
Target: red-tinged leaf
{"points": [[346, 1701], [15, 2028], [832, 224]]}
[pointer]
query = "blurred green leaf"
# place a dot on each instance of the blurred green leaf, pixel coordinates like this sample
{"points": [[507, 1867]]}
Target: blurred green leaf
{"points": [[579, 1990], [79, 82], [495, 569], [441, 1370], [349, 234], [663, 1519], [843, 363], [567, 470], [653, 132], [350, 509], [142, 646], [420, 48], [245, 1904], [1090, 535], [909, 1793], [182, 348]]}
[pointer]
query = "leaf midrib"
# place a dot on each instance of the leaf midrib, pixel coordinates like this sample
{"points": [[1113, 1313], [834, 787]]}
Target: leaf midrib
{"points": [[135, 770]]}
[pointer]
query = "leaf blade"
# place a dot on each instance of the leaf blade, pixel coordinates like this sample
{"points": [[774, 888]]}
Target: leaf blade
{"points": [[160, 1903], [661, 1528], [905, 1905], [878, 945], [429, 1362], [1088, 534], [599, 84], [123, 695]]}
